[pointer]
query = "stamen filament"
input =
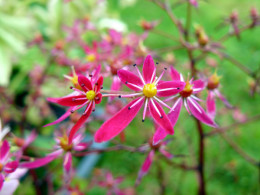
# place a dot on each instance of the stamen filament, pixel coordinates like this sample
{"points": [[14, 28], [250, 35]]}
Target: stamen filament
{"points": [[127, 83], [67, 77], [154, 72], [166, 89], [136, 103], [160, 101], [175, 104], [76, 99], [110, 95], [170, 98], [186, 106], [145, 108], [196, 98], [156, 108], [190, 99], [80, 106], [88, 107], [75, 89], [156, 82], [130, 95], [140, 75]]}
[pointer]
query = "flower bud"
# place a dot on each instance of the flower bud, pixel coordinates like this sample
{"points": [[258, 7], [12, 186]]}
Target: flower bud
{"points": [[213, 81], [202, 37]]}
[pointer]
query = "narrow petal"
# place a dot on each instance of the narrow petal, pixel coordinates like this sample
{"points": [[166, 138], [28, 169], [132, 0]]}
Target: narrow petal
{"points": [[84, 83], [119, 122], [62, 117], [128, 77], [39, 162], [175, 74], [82, 146], [99, 84], [199, 113], [161, 119], [145, 167], [169, 88], [211, 105], [160, 133], [198, 85], [149, 69], [223, 99], [2, 179], [4, 151], [69, 100], [80, 122], [11, 166], [67, 163], [166, 153]]}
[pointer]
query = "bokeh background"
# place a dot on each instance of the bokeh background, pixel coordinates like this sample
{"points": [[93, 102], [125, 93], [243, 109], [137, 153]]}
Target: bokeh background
{"points": [[226, 172]]}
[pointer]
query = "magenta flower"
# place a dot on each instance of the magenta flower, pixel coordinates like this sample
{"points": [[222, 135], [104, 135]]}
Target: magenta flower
{"points": [[147, 89], [188, 98], [160, 147], [194, 3], [62, 148], [213, 92], [6, 165], [111, 184], [88, 96]]}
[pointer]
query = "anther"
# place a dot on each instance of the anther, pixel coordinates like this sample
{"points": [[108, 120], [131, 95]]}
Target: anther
{"points": [[134, 65], [165, 68], [90, 75], [73, 99], [72, 111], [93, 110], [82, 85], [96, 83], [143, 120], [178, 88], [126, 82], [129, 108], [161, 116], [157, 62], [101, 87], [71, 87], [119, 96]]}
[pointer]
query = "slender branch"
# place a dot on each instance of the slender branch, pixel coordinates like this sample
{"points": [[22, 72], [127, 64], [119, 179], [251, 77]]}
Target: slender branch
{"points": [[160, 179]]}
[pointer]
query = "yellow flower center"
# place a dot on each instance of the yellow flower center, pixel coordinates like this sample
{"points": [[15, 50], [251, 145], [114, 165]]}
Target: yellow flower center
{"points": [[64, 143], [187, 91], [150, 90], [91, 57], [91, 95], [213, 81]]}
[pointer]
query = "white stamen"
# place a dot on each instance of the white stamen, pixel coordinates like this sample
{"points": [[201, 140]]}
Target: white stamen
{"points": [[136, 103], [127, 83], [196, 98], [170, 98], [75, 89], [156, 82], [81, 106], [140, 75], [88, 107], [68, 77], [166, 89], [130, 95], [182, 79], [76, 99], [175, 104], [145, 108], [153, 75], [156, 108], [186, 106], [160, 101], [190, 99], [197, 89]]}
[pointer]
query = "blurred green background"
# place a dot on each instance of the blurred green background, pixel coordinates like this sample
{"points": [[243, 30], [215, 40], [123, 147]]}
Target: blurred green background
{"points": [[226, 171]]}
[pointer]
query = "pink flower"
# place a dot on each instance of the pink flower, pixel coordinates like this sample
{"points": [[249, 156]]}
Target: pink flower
{"points": [[160, 147], [111, 184], [62, 147], [194, 3], [6, 166], [147, 89], [188, 98], [213, 92], [89, 95]]}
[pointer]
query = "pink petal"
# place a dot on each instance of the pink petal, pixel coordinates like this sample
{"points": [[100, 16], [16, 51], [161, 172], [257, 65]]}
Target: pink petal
{"points": [[175, 74], [84, 83], [67, 163], [2, 179], [119, 180], [62, 117], [115, 86], [223, 99], [82, 146], [176, 85], [80, 122], [160, 133], [128, 77], [30, 138], [11, 166], [199, 113], [211, 105], [118, 122], [39, 162], [149, 69], [164, 122], [198, 86], [4, 151], [99, 84], [145, 167], [166, 153], [69, 100]]}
